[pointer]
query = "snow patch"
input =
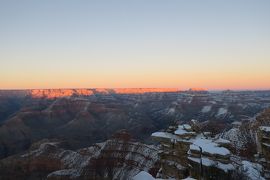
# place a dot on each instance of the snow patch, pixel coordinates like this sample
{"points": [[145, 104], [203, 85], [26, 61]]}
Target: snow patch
{"points": [[222, 141], [265, 128], [222, 111], [206, 109], [164, 135], [252, 170], [171, 111], [184, 129], [189, 178], [72, 173], [143, 176], [207, 162], [209, 146]]}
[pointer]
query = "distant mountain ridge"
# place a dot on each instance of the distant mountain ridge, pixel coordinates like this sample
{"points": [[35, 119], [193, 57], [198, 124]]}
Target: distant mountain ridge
{"points": [[55, 93]]}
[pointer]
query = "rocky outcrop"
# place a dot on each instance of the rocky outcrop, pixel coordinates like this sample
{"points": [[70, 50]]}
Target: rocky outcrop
{"points": [[263, 119], [264, 149], [185, 152], [117, 158]]}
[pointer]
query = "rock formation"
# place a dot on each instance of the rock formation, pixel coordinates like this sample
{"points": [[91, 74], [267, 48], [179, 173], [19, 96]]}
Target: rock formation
{"points": [[186, 152], [118, 158], [264, 149]]}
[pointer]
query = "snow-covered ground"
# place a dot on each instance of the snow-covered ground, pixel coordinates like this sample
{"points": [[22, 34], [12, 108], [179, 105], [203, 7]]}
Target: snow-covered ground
{"points": [[252, 170], [208, 146], [143, 176], [206, 109]]}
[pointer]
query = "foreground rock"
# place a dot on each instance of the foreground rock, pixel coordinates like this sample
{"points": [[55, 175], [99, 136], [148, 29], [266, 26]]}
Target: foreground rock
{"points": [[117, 158], [187, 151]]}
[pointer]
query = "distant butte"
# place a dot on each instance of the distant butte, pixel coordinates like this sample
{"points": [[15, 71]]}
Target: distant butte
{"points": [[55, 93], [197, 89]]}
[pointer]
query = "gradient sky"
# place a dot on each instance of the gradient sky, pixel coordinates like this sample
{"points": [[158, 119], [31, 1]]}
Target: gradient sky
{"points": [[135, 43]]}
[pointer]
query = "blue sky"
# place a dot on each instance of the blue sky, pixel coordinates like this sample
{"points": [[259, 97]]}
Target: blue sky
{"points": [[151, 43]]}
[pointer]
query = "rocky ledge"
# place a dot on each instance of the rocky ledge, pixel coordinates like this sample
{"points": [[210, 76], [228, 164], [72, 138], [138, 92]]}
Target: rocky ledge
{"points": [[117, 158]]}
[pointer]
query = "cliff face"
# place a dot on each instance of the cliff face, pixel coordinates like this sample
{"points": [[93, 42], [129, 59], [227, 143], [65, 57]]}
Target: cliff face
{"points": [[117, 158], [243, 134], [188, 151], [59, 93], [185, 151], [263, 119], [56, 93]]}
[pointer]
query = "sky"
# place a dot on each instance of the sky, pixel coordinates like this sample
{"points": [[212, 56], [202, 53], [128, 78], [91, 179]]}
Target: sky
{"points": [[210, 44]]}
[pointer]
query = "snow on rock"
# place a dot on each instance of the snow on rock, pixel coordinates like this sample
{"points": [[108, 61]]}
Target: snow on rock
{"points": [[185, 126], [208, 146], [73, 164], [252, 170], [205, 161], [222, 111], [189, 178], [44, 147], [236, 123], [194, 121], [143, 176], [225, 167], [184, 129], [222, 141], [206, 109], [72, 173], [265, 128], [237, 139], [164, 135], [171, 110], [71, 158], [266, 144], [176, 164], [208, 162]]}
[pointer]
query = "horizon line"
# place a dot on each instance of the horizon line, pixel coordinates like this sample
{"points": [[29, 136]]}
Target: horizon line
{"points": [[170, 88]]}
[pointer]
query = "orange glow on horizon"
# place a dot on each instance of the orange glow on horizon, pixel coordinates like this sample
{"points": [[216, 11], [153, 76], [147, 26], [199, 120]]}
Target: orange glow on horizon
{"points": [[155, 78]]}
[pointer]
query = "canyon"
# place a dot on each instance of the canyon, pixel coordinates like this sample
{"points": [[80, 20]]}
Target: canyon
{"points": [[120, 157], [73, 120]]}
